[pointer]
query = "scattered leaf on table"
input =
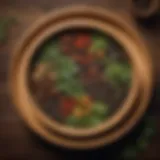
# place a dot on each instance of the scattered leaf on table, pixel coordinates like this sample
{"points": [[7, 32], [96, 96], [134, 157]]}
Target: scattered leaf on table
{"points": [[129, 154], [142, 143]]}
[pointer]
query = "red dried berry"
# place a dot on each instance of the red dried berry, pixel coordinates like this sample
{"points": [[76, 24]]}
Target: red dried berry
{"points": [[66, 106], [82, 41]]}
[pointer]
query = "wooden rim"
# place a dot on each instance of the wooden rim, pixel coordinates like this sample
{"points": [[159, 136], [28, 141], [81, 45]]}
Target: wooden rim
{"points": [[147, 81], [108, 124], [28, 100]]}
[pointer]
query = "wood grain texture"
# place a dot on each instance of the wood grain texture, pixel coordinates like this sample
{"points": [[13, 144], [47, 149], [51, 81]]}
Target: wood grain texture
{"points": [[16, 141]]}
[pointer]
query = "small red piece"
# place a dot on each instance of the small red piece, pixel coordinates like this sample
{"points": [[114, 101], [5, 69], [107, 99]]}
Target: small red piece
{"points": [[87, 59], [82, 41], [67, 105]]}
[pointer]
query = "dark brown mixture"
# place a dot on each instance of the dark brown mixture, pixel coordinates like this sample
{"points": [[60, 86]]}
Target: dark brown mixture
{"points": [[80, 78]]}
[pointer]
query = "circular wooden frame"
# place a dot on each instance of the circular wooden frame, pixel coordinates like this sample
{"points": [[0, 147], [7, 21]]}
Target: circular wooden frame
{"points": [[82, 16], [57, 126]]}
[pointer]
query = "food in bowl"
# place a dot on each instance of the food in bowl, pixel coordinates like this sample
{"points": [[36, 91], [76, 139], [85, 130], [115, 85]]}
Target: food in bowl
{"points": [[27, 85], [80, 77]]}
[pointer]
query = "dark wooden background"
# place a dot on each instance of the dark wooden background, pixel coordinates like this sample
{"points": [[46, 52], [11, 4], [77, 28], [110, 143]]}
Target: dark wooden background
{"points": [[16, 141]]}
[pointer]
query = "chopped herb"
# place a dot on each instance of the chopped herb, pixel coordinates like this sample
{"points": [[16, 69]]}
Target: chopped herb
{"points": [[118, 74]]}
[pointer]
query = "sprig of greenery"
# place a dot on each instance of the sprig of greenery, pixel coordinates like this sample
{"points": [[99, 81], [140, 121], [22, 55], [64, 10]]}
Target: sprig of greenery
{"points": [[142, 142], [118, 73], [50, 53], [97, 115], [99, 43], [65, 68]]}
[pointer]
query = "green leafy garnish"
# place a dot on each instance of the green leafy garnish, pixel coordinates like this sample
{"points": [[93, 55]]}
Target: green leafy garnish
{"points": [[118, 73], [85, 121], [66, 78], [99, 43], [65, 68], [72, 120], [70, 87], [50, 53], [96, 116], [142, 141], [99, 109]]}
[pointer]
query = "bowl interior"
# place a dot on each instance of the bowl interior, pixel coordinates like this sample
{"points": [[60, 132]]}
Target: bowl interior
{"points": [[80, 77]]}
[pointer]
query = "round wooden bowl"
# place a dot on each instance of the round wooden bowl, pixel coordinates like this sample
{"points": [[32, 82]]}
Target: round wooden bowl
{"points": [[144, 8], [133, 107]]}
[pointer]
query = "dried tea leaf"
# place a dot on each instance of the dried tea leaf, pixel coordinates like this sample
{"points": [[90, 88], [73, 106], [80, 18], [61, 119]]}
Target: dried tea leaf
{"points": [[50, 53], [99, 109], [93, 121], [72, 87], [85, 121], [118, 73], [72, 120], [99, 43]]}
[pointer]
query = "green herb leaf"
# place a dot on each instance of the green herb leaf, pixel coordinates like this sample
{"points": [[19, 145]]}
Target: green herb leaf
{"points": [[86, 121], [65, 68], [50, 53], [72, 89], [100, 109], [93, 121], [118, 73], [72, 121], [98, 43], [66, 77]]}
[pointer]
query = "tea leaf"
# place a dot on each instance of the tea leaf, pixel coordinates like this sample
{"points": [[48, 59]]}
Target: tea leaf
{"points": [[70, 87], [85, 121], [93, 121], [65, 69], [143, 140], [118, 73], [72, 121], [99, 43], [50, 53], [99, 109]]}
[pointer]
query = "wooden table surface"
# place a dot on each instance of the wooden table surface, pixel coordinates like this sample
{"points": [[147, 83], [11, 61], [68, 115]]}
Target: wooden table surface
{"points": [[16, 140]]}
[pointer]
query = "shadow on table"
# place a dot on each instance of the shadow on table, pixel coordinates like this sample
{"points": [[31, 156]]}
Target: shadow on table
{"points": [[150, 23]]}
